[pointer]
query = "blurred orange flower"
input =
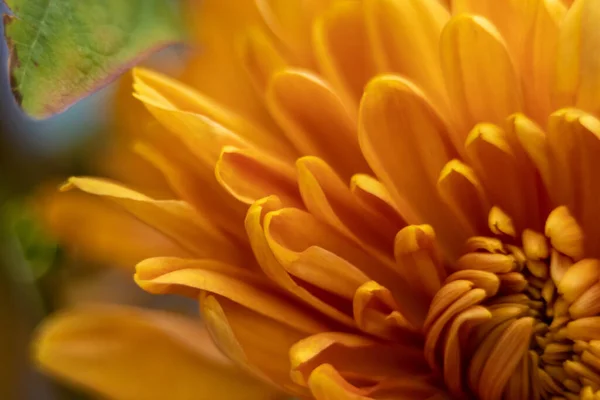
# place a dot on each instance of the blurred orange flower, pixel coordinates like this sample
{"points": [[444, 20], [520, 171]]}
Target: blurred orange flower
{"points": [[405, 207]]}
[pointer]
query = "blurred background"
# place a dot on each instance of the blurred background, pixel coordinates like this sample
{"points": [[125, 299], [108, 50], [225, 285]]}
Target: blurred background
{"points": [[38, 274]]}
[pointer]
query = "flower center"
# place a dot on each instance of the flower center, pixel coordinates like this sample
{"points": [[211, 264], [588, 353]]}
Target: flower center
{"points": [[518, 319]]}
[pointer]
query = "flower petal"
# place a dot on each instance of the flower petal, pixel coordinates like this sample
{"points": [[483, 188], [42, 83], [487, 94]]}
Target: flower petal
{"points": [[342, 49], [328, 198], [577, 81], [273, 268], [496, 163], [261, 58], [356, 356], [69, 215], [156, 89], [376, 312], [291, 22], [249, 175], [405, 142], [418, 259], [463, 193], [405, 37], [195, 183], [245, 287], [470, 77], [374, 196], [315, 120], [176, 219], [101, 348], [257, 343]]}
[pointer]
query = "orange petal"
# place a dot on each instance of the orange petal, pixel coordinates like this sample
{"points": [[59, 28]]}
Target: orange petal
{"points": [[577, 82], [564, 233], [418, 259], [157, 89], [404, 141], [342, 49], [254, 341], [405, 36], [374, 196], [68, 217], [318, 266], [497, 165], [534, 142], [290, 231], [564, 154], [589, 147], [176, 219], [189, 277], [530, 29], [203, 137], [463, 193], [291, 21], [326, 383], [328, 198], [354, 355], [377, 313], [315, 120], [95, 347], [274, 269], [261, 58], [213, 66], [250, 175], [471, 77], [195, 183]]}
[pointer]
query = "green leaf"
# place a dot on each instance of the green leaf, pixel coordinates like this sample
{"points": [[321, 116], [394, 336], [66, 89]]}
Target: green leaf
{"points": [[63, 50]]}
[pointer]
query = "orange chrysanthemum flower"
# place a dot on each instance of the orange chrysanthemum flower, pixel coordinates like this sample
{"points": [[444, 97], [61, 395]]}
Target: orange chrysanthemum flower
{"points": [[412, 215]]}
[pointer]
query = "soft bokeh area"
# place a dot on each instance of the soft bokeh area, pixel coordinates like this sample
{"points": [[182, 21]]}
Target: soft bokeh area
{"points": [[49, 260]]}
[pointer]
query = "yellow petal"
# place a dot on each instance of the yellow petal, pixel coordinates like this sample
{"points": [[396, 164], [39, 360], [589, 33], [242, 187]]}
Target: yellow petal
{"points": [[69, 216], [374, 196], [243, 286], [589, 136], [530, 29], [98, 348], [463, 193], [249, 175], [195, 183], [354, 355], [291, 231], [405, 37], [496, 163], [564, 233], [326, 383], [291, 21], [315, 120], [342, 49], [404, 141], [376, 312], [418, 259], [327, 271], [534, 142], [471, 77], [564, 154], [328, 198], [213, 66], [257, 343], [202, 136], [577, 81], [261, 58], [159, 90], [274, 269], [176, 219]]}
